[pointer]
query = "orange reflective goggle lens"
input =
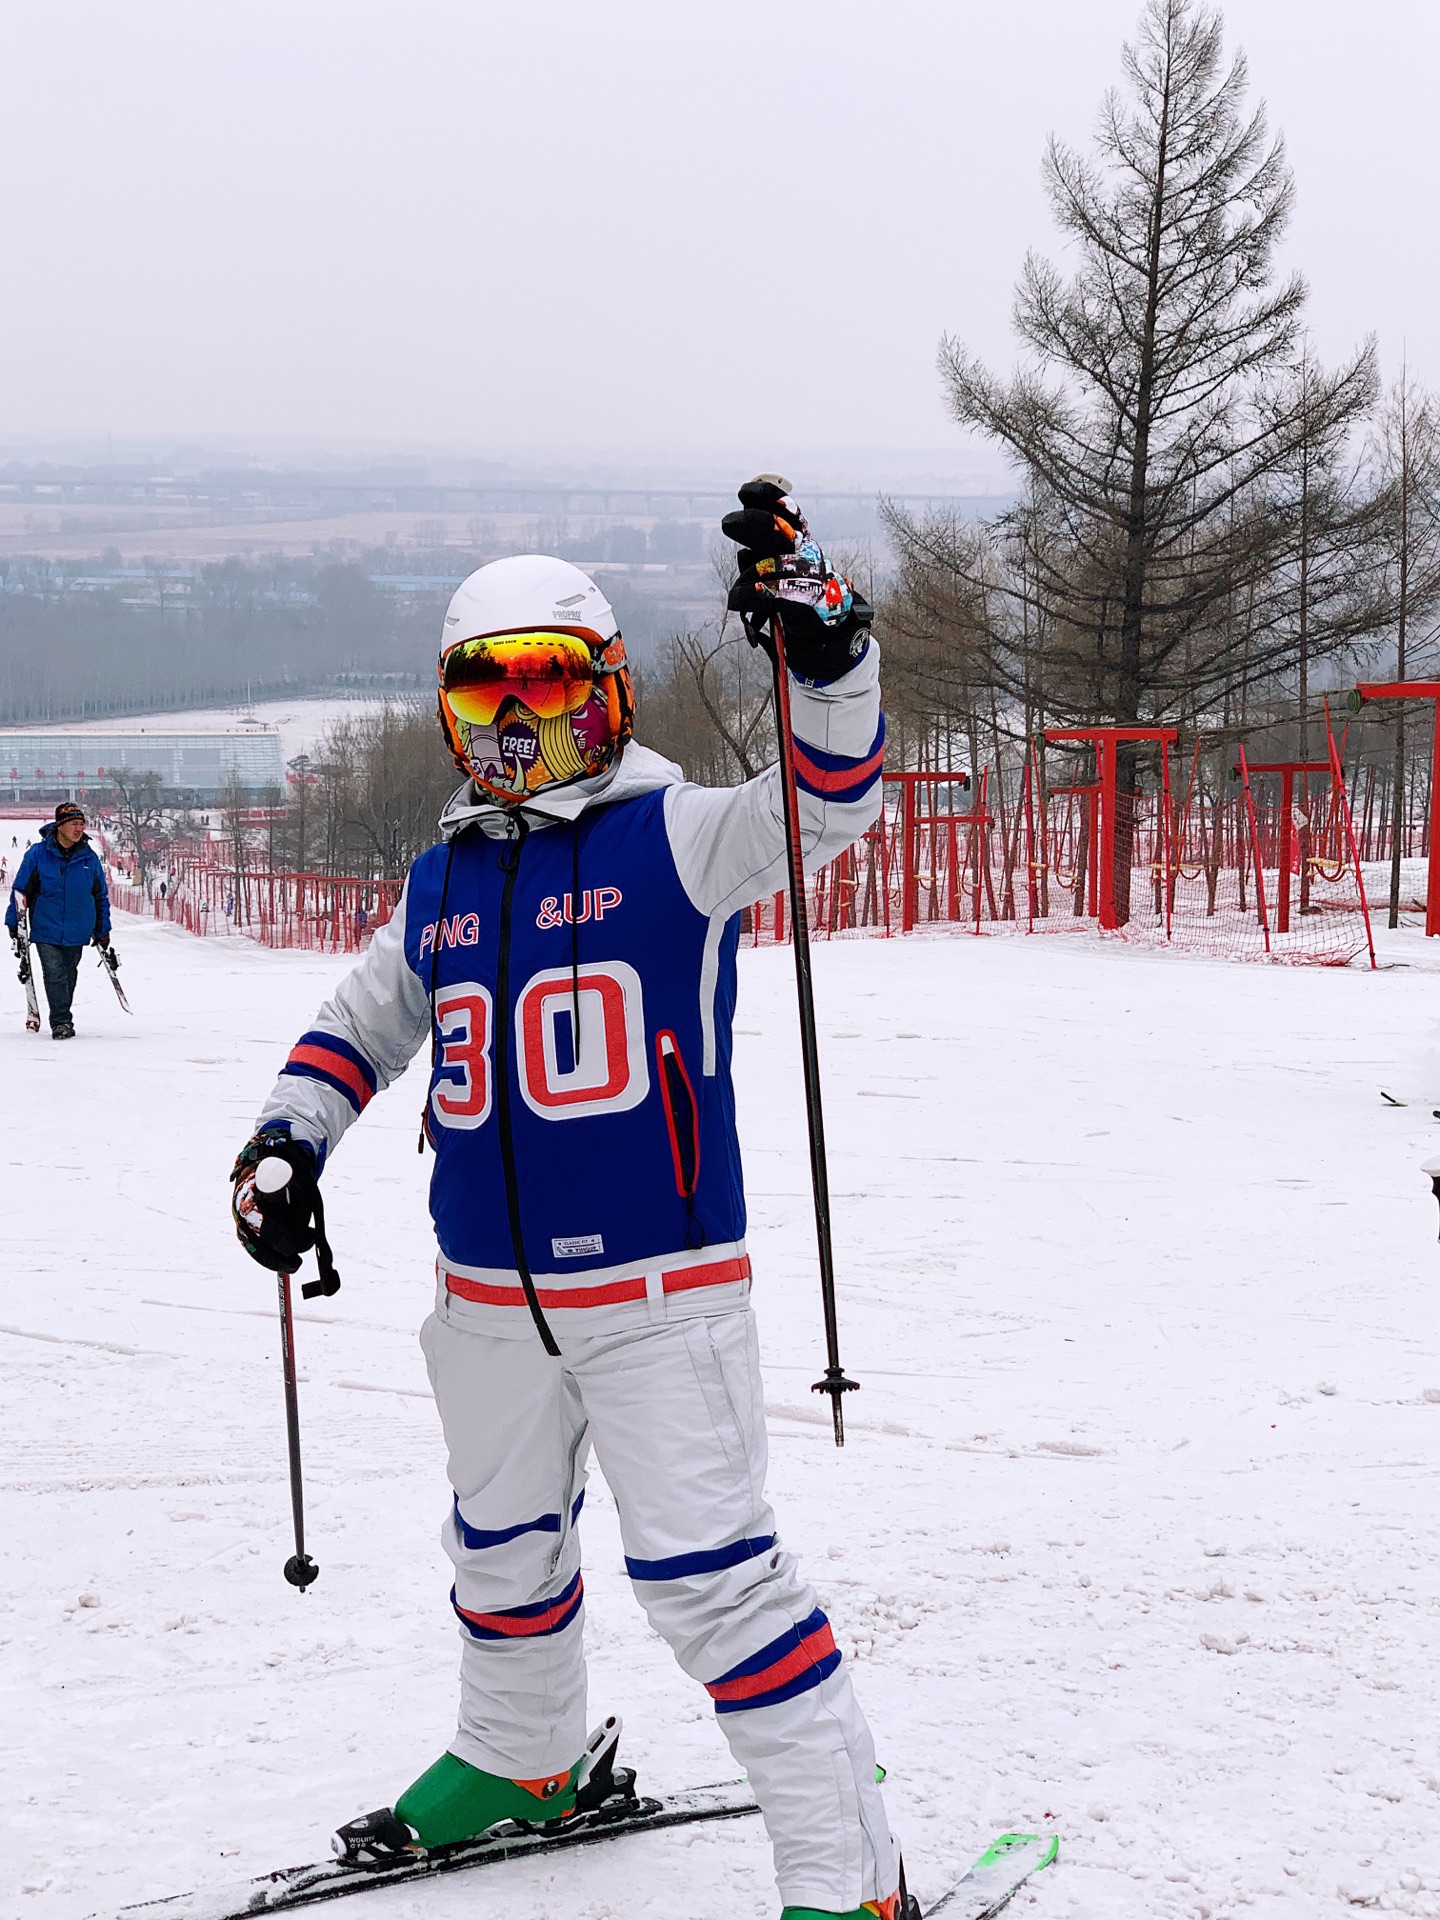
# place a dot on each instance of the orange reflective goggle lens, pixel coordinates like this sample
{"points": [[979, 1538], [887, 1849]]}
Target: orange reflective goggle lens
{"points": [[550, 673]]}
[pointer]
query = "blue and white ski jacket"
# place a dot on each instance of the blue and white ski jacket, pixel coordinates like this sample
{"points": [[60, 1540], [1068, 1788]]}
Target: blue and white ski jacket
{"points": [[580, 959], [67, 900]]}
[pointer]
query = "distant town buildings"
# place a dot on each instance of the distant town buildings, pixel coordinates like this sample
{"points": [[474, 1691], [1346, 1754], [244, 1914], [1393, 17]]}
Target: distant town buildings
{"points": [[193, 767]]}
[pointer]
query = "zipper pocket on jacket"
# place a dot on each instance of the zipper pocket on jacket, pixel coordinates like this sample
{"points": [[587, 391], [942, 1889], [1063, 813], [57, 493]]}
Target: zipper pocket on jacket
{"points": [[682, 1116]]}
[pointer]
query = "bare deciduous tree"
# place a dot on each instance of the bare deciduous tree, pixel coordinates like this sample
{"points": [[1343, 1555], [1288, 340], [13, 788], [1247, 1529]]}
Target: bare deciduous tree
{"points": [[140, 817], [1407, 459], [1158, 414]]}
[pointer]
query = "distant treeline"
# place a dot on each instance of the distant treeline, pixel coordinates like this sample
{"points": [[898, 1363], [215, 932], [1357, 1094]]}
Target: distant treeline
{"points": [[82, 639]]}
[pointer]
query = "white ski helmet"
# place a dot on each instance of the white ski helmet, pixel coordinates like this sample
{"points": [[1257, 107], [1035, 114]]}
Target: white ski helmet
{"points": [[534, 688]]}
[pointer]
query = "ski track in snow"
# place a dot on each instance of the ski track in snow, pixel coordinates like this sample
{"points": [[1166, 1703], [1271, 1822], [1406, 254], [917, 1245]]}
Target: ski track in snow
{"points": [[1135, 1533]]}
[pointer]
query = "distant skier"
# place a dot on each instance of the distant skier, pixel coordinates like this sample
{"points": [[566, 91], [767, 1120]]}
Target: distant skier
{"points": [[62, 882], [568, 951]]}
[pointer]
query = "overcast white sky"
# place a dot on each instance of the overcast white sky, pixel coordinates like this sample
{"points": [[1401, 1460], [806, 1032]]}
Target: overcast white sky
{"points": [[603, 228]]}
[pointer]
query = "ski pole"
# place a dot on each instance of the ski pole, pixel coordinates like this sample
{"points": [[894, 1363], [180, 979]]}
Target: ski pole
{"points": [[300, 1569], [272, 1178], [1431, 1170], [835, 1382]]}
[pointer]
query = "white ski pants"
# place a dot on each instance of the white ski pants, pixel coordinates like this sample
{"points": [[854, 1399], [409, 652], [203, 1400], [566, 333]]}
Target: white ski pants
{"points": [[675, 1415]]}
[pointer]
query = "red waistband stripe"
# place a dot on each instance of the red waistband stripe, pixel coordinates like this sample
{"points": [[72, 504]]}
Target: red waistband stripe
{"points": [[610, 1293]]}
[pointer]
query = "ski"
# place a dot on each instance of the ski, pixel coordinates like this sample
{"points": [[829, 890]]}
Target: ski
{"points": [[25, 955], [1391, 1101], [997, 1876], [110, 961], [512, 1840]]}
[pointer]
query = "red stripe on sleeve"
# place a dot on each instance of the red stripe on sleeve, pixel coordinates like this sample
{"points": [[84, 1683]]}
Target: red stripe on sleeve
{"points": [[336, 1065], [832, 782]]}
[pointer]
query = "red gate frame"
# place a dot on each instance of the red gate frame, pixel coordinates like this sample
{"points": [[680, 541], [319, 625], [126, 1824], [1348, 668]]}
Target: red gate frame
{"points": [[1287, 769], [1105, 741], [1417, 690]]}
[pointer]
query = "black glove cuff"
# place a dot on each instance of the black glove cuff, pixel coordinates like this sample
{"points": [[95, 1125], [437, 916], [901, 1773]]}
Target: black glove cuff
{"points": [[816, 651]]}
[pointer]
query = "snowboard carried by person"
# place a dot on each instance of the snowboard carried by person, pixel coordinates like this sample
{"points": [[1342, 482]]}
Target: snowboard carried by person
{"points": [[567, 954], [61, 885]]}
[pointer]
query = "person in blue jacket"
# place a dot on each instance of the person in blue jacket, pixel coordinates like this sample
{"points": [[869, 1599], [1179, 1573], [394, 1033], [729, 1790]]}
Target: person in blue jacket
{"points": [[62, 884]]}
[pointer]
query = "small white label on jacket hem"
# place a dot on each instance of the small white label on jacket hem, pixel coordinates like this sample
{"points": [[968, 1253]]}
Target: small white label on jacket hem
{"points": [[571, 1246]]}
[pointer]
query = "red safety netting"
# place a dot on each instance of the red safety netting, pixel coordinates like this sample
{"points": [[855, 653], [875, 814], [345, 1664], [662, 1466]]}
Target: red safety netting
{"points": [[1234, 858], [1220, 856], [206, 895], [1257, 868], [929, 859]]}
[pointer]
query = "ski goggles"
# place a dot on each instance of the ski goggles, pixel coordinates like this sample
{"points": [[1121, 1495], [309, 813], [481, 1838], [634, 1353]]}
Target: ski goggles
{"points": [[550, 673]]}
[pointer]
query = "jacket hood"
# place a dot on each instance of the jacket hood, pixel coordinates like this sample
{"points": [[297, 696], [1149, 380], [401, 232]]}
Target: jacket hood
{"points": [[638, 770]]}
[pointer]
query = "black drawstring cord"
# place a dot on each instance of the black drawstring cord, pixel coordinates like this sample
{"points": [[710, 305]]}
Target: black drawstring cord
{"points": [[510, 868], [434, 962]]}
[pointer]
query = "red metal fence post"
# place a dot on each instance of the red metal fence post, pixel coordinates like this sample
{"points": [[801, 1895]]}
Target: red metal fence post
{"points": [[1029, 806], [1418, 690], [910, 879], [1255, 847], [1350, 833]]}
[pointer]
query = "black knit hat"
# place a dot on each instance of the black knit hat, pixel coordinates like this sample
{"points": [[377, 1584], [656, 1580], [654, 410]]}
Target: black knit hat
{"points": [[67, 810]]}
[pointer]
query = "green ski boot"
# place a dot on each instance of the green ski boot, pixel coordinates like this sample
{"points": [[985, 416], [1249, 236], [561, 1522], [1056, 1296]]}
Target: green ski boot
{"points": [[890, 1909], [453, 1801]]}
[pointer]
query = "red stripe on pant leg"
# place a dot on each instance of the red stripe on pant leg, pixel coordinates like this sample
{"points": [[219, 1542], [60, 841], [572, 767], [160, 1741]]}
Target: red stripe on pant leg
{"points": [[513, 1629], [810, 1652]]}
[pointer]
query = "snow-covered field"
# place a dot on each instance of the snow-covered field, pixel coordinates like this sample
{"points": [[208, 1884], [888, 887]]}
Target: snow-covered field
{"points": [[1174, 1591]]}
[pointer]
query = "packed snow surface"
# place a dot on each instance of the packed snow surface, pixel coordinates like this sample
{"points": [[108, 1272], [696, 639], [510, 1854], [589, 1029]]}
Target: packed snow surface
{"points": [[1135, 1532]]}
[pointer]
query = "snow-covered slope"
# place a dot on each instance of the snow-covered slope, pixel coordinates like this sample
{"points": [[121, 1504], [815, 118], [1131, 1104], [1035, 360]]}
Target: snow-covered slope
{"points": [[1135, 1532]]}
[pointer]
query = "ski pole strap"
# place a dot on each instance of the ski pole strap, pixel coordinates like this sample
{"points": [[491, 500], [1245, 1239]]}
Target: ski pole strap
{"points": [[329, 1281]]}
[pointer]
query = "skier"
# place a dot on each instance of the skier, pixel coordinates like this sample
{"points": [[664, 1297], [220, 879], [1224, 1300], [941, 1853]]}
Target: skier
{"points": [[62, 883], [568, 951]]}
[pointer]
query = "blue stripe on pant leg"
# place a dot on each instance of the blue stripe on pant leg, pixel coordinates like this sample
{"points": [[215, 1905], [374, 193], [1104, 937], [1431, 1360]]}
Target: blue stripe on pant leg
{"points": [[679, 1566], [478, 1538]]}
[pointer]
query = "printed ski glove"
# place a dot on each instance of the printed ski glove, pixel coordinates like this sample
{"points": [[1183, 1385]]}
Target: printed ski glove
{"points": [[278, 1227], [826, 622]]}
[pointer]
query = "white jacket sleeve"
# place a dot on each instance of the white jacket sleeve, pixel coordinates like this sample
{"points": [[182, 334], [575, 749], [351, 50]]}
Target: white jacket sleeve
{"points": [[361, 1039], [729, 842]]}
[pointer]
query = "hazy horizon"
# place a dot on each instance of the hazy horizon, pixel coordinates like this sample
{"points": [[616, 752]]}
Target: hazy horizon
{"points": [[634, 236]]}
